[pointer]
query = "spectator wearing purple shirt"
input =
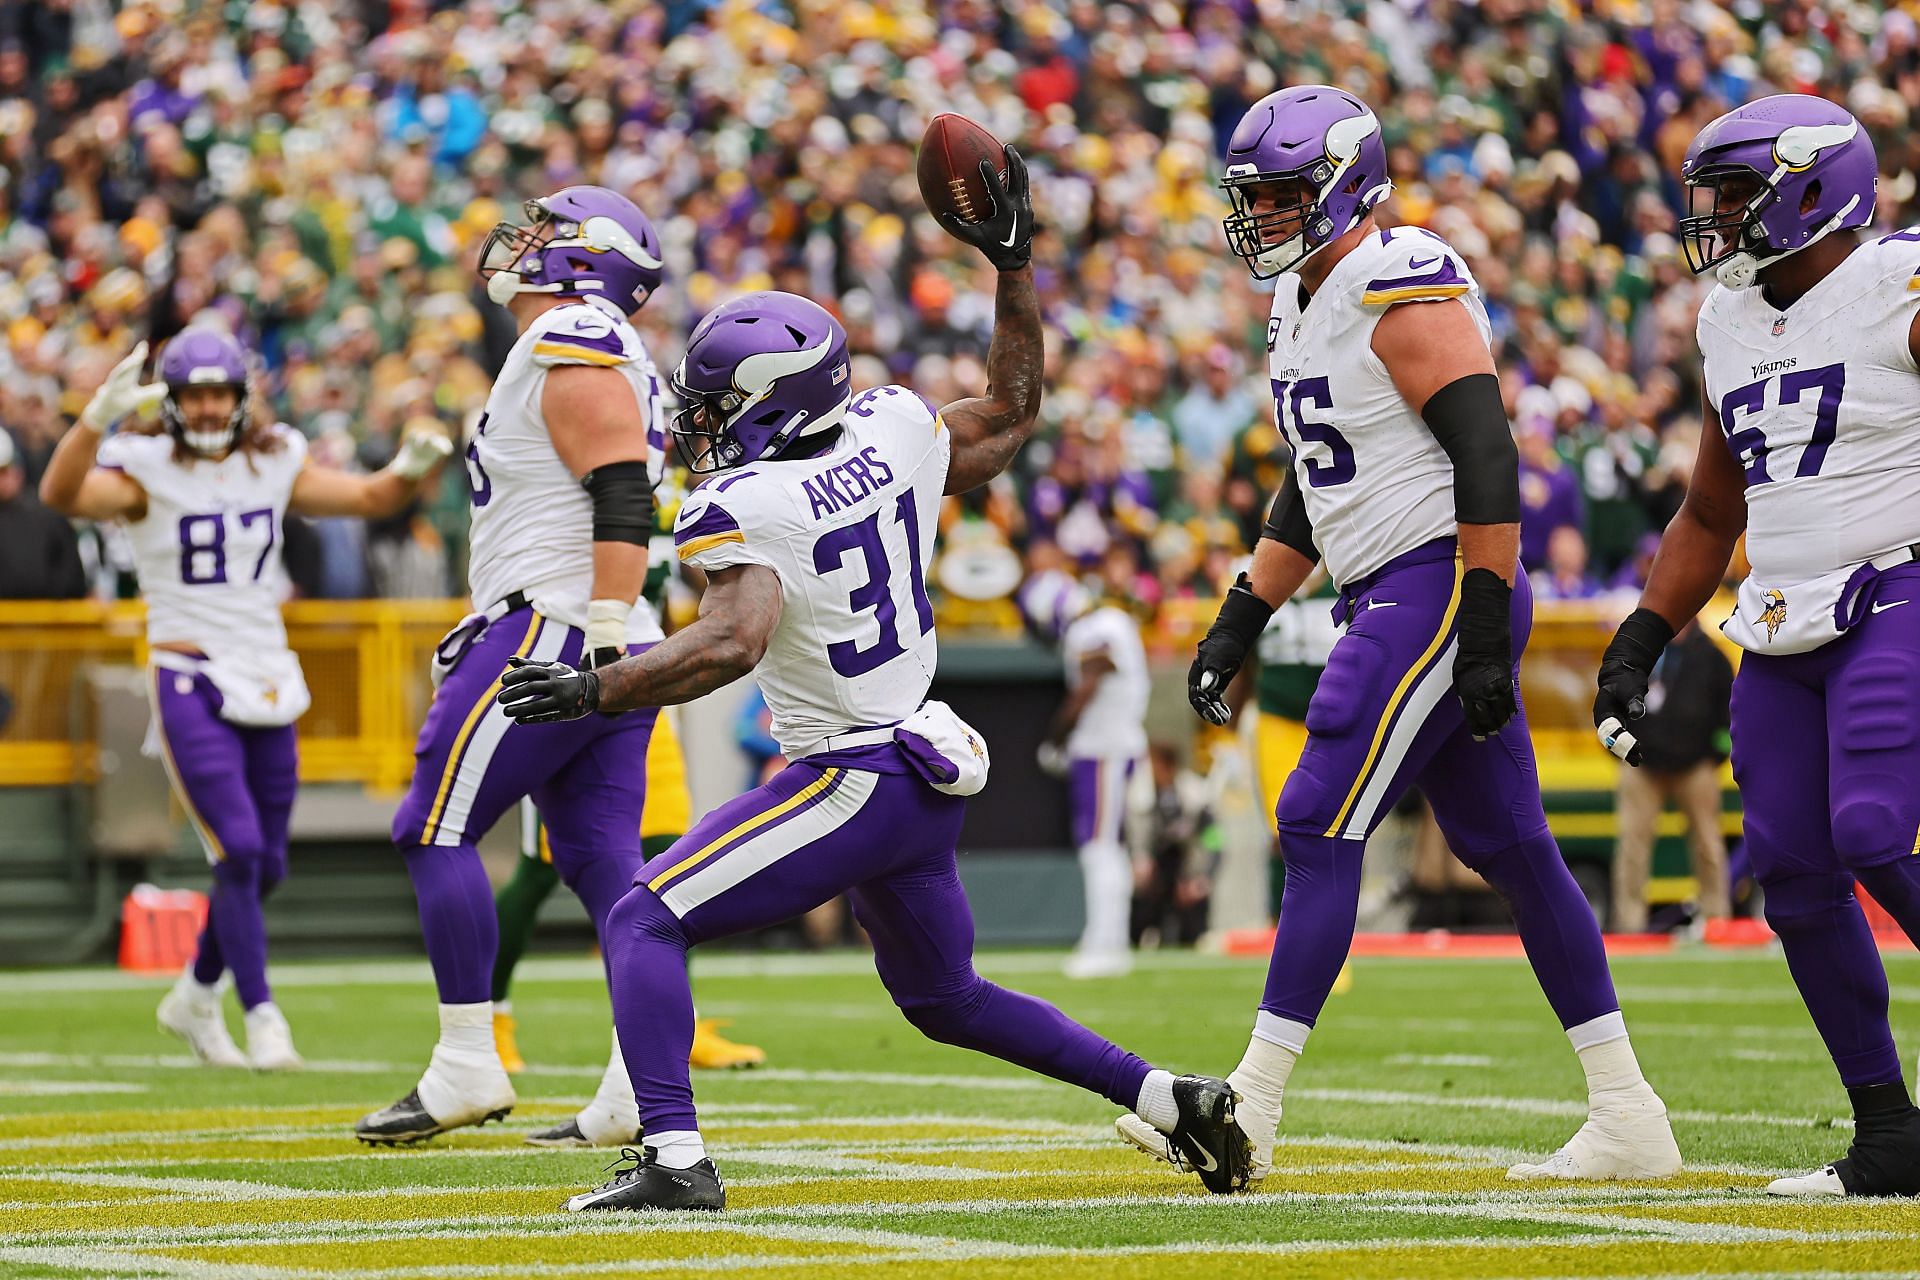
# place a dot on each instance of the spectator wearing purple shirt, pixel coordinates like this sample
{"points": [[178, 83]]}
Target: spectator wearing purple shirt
{"points": [[1549, 497], [1566, 576]]}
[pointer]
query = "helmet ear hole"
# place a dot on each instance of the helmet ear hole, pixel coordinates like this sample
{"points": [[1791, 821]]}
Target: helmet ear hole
{"points": [[1811, 200]]}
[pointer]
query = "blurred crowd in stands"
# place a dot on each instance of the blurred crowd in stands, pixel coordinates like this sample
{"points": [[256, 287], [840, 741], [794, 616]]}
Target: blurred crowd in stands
{"points": [[320, 172]]}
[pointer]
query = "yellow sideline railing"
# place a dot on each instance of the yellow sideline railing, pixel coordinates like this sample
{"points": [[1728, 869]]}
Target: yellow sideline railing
{"points": [[366, 662]]}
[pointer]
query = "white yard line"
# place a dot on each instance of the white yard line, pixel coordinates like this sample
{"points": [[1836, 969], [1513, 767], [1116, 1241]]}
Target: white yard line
{"points": [[1553, 1107], [63, 1088]]}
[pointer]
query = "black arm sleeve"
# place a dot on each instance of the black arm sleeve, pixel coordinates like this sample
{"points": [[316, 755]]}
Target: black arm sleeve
{"points": [[1287, 522], [622, 496], [1468, 419]]}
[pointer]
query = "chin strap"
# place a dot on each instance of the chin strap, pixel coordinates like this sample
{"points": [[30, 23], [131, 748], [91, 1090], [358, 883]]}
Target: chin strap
{"points": [[1742, 269]]}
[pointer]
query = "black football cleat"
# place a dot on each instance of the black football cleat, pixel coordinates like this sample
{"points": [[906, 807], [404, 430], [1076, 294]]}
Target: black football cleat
{"points": [[407, 1121], [1884, 1160], [568, 1134], [1208, 1137], [642, 1184]]}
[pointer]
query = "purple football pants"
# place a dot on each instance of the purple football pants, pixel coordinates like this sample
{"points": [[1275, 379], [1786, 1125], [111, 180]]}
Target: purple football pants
{"points": [[1385, 718], [1826, 749], [822, 827], [473, 763], [237, 785]]}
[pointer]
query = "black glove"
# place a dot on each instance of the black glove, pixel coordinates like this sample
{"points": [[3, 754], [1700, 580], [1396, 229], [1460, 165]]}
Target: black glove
{"points": [[543, 692], [1243, 616], [1005, 235], [1625, 669], [1483, 668]]}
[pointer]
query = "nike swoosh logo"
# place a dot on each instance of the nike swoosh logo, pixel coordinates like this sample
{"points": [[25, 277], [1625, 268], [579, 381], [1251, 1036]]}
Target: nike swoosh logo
{"points": [[1381, 604], [1012, 234], [1203, 1159], [1894, 604], [1417, 264]]}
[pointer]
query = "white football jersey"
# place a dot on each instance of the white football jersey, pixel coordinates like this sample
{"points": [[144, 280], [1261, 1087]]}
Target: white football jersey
{"points": [[1821, 406], [850, 534], [208, 550], [1376, 482], [532, 522], [1112, 726]]}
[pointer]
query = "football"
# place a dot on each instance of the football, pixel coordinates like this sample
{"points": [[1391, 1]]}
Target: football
{"points": [[949, 167]]}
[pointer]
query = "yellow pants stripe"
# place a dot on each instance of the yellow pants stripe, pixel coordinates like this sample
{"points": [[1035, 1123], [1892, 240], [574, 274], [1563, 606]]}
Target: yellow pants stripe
{"points": [[1394, 704], [824, 782], [466, 731]]}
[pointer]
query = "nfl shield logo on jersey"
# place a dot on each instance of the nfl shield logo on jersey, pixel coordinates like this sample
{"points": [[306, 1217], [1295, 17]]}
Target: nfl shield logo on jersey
{"points": [[1779, 326]]}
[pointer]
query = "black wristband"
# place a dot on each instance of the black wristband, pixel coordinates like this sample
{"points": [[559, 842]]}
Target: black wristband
{"points": [[1641, 639], [1485, 618], [1469, 420], [1243, 614]]}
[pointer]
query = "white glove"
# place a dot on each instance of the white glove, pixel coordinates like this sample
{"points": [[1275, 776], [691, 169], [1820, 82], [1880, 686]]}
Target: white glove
{"points": [[1052, 760], [606, 631], [122, 394], [420, 452]]}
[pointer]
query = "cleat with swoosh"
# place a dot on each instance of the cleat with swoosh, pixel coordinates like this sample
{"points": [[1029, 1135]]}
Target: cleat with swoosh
{"points": [[1208, 1138]]}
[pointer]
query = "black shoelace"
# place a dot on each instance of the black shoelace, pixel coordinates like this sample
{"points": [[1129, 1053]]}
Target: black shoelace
{"points": [[637, 1159]]}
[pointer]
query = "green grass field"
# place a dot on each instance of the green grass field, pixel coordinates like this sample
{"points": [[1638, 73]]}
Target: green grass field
{"points": [[864, 1150]]}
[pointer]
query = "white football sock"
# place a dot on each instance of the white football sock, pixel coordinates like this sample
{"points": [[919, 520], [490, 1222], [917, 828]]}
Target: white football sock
{"points": [[1272, 1051], [1606, 1055], [468, 1028], [1156, 1105], [465, 1068], [612, 1116], [677, 1148]]}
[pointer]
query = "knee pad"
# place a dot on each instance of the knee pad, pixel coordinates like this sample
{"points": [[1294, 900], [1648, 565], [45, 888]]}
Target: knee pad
{"points": [[1805, 901], [1869, 830], [1306, 803], [947, 1015], [641, 915], [406, 829]]}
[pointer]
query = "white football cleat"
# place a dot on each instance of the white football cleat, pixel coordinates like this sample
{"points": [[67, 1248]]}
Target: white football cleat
{"points": [[270, 1040], [1822, 1182], [1098, 964], [192, 1012], [1149, 1139], [460, 1088], [1254, 1122], [1629, 1139]]}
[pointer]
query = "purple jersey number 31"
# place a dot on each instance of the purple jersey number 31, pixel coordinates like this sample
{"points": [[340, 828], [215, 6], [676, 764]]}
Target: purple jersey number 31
{"points": [[876, 592]]}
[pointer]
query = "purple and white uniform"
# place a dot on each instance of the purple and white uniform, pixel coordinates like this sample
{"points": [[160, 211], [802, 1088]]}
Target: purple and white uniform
{"points": [[1821, 407], [850, 533], [207, 553], [531, 573], [1379, 490]]}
